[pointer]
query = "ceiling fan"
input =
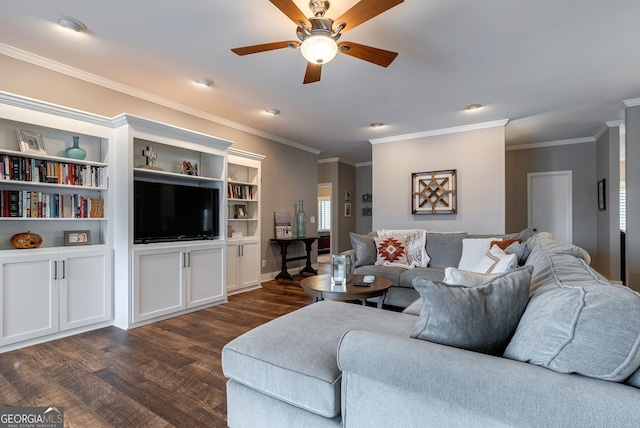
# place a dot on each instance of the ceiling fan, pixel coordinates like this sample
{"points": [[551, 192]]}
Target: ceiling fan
{"points": [[319, 35]]}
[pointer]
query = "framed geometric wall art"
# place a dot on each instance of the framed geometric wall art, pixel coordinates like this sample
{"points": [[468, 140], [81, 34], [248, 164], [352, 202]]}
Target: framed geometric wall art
{"points": [[434, 192]]}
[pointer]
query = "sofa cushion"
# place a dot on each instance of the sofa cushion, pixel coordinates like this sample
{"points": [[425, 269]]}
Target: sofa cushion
{"points": [[480, 318], [392, 251], [293, 358], [416, 244], [589, 329], [432, 274], [445, 249], [365, 249], [472, 251]]}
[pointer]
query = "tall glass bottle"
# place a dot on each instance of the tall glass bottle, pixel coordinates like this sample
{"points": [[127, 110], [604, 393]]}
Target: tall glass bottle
{"points": [[301, 222]]}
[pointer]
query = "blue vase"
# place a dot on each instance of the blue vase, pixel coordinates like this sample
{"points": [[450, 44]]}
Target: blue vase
{"points": [[76, 152]]}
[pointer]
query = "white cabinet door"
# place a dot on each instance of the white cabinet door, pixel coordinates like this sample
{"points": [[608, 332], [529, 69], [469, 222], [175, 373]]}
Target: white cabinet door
{"points": [[205, 275], [249, 267], [85, 288], [158, 282], [28, 287], [233, 260]]}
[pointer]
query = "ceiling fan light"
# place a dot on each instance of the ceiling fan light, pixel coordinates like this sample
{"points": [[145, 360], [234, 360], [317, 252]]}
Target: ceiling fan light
{"points": [[319, 49]]}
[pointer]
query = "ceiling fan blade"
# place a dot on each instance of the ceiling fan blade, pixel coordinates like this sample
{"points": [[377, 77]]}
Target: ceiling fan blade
{"points": [[367, 53], [246, 50], [289, 8], [313, 73], [364, 10]]}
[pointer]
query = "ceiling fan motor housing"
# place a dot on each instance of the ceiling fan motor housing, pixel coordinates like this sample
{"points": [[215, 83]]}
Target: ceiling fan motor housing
{"points": [[319, 8]]}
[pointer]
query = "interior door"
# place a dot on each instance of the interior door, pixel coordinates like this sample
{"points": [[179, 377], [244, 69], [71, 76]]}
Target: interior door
{"points": [[550, 203]]}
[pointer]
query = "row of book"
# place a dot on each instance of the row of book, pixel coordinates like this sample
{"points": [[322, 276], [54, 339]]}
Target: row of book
{"points": [[240, 191], [27, 204], [47, 171]]}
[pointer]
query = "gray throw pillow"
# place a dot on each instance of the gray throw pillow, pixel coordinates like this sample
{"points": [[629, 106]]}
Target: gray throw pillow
{"points": [[365, 249], [481, 318]]}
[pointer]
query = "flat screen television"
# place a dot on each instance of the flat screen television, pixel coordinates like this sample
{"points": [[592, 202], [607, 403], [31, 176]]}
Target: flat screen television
{"points": [[171, 212]]}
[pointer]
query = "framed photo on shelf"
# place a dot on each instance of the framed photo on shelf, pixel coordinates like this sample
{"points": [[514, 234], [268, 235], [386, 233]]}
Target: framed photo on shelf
{"points": [[77, 237], [30, 142], [188, 167], [240, 211]]}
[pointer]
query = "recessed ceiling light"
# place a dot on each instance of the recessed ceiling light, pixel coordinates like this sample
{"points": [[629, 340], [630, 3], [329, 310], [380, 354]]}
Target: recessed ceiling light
{"points": [[472, 107], [71, 24], [377, 125], [204, 82], [273, 111]]}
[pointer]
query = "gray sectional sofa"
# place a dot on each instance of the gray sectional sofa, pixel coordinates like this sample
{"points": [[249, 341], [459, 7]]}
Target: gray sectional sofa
{"points": [[571, 357], [444, 250]]}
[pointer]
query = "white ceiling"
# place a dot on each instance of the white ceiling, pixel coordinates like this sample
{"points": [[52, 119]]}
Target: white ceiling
{"points": [[558, 69]]}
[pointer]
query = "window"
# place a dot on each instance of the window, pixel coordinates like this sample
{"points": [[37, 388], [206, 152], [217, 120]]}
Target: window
{"points": [[623, 209], [324, 214]]}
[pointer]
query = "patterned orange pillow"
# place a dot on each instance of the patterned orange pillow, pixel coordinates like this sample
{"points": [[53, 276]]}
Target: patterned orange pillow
{"points": [[504, 244], [392, 250]]}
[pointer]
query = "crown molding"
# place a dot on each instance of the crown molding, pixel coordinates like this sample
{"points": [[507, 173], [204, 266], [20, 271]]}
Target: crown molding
{"points": [[245, 154], [551, 143], [58, 67], [362, 164], [331, 160], [634, 102], [443, 131], [57, 110]]}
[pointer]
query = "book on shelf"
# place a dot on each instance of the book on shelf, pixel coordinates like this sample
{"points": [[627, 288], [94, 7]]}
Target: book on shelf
{"points": [[240, 191], [31, 204], [19, 168]]}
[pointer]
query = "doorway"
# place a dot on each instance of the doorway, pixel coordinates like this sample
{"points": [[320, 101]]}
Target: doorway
{"points": [[324, 222], [550, 206]]}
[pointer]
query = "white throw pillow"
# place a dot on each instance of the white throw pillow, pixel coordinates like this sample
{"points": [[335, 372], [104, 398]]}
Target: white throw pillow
{"points": [[495, 261], [472, 251], [454, 276]]}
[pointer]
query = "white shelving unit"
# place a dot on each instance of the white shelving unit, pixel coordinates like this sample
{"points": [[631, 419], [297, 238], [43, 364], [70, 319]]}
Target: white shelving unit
{"points": [[160, 280], [243, 240], [55, 290]]}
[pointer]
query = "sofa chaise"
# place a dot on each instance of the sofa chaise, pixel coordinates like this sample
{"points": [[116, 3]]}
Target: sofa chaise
{"points": [[569, 358]]}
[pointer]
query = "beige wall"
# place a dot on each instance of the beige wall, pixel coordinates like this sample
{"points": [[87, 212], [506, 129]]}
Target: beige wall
{"points": [[288, 173], [478, 156]]}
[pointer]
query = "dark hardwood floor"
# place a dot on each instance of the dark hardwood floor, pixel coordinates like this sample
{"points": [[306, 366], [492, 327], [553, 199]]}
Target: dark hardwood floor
{"points": [[161, 375]]}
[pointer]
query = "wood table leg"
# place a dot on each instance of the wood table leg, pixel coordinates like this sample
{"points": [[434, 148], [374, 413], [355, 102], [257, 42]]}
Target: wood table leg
{"points": [[284, 274]]}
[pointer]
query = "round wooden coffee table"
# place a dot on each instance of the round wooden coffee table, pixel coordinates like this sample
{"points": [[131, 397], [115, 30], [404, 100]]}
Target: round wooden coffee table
{"points": [[321, 288]]}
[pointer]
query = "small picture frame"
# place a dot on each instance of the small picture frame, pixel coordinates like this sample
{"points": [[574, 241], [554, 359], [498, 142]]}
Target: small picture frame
{"points": [[367, 197], [188, 167], [30, 142], [347, 195], [240, 211], [602, 195], [366, 212], [347, 209], [77, 237]]}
